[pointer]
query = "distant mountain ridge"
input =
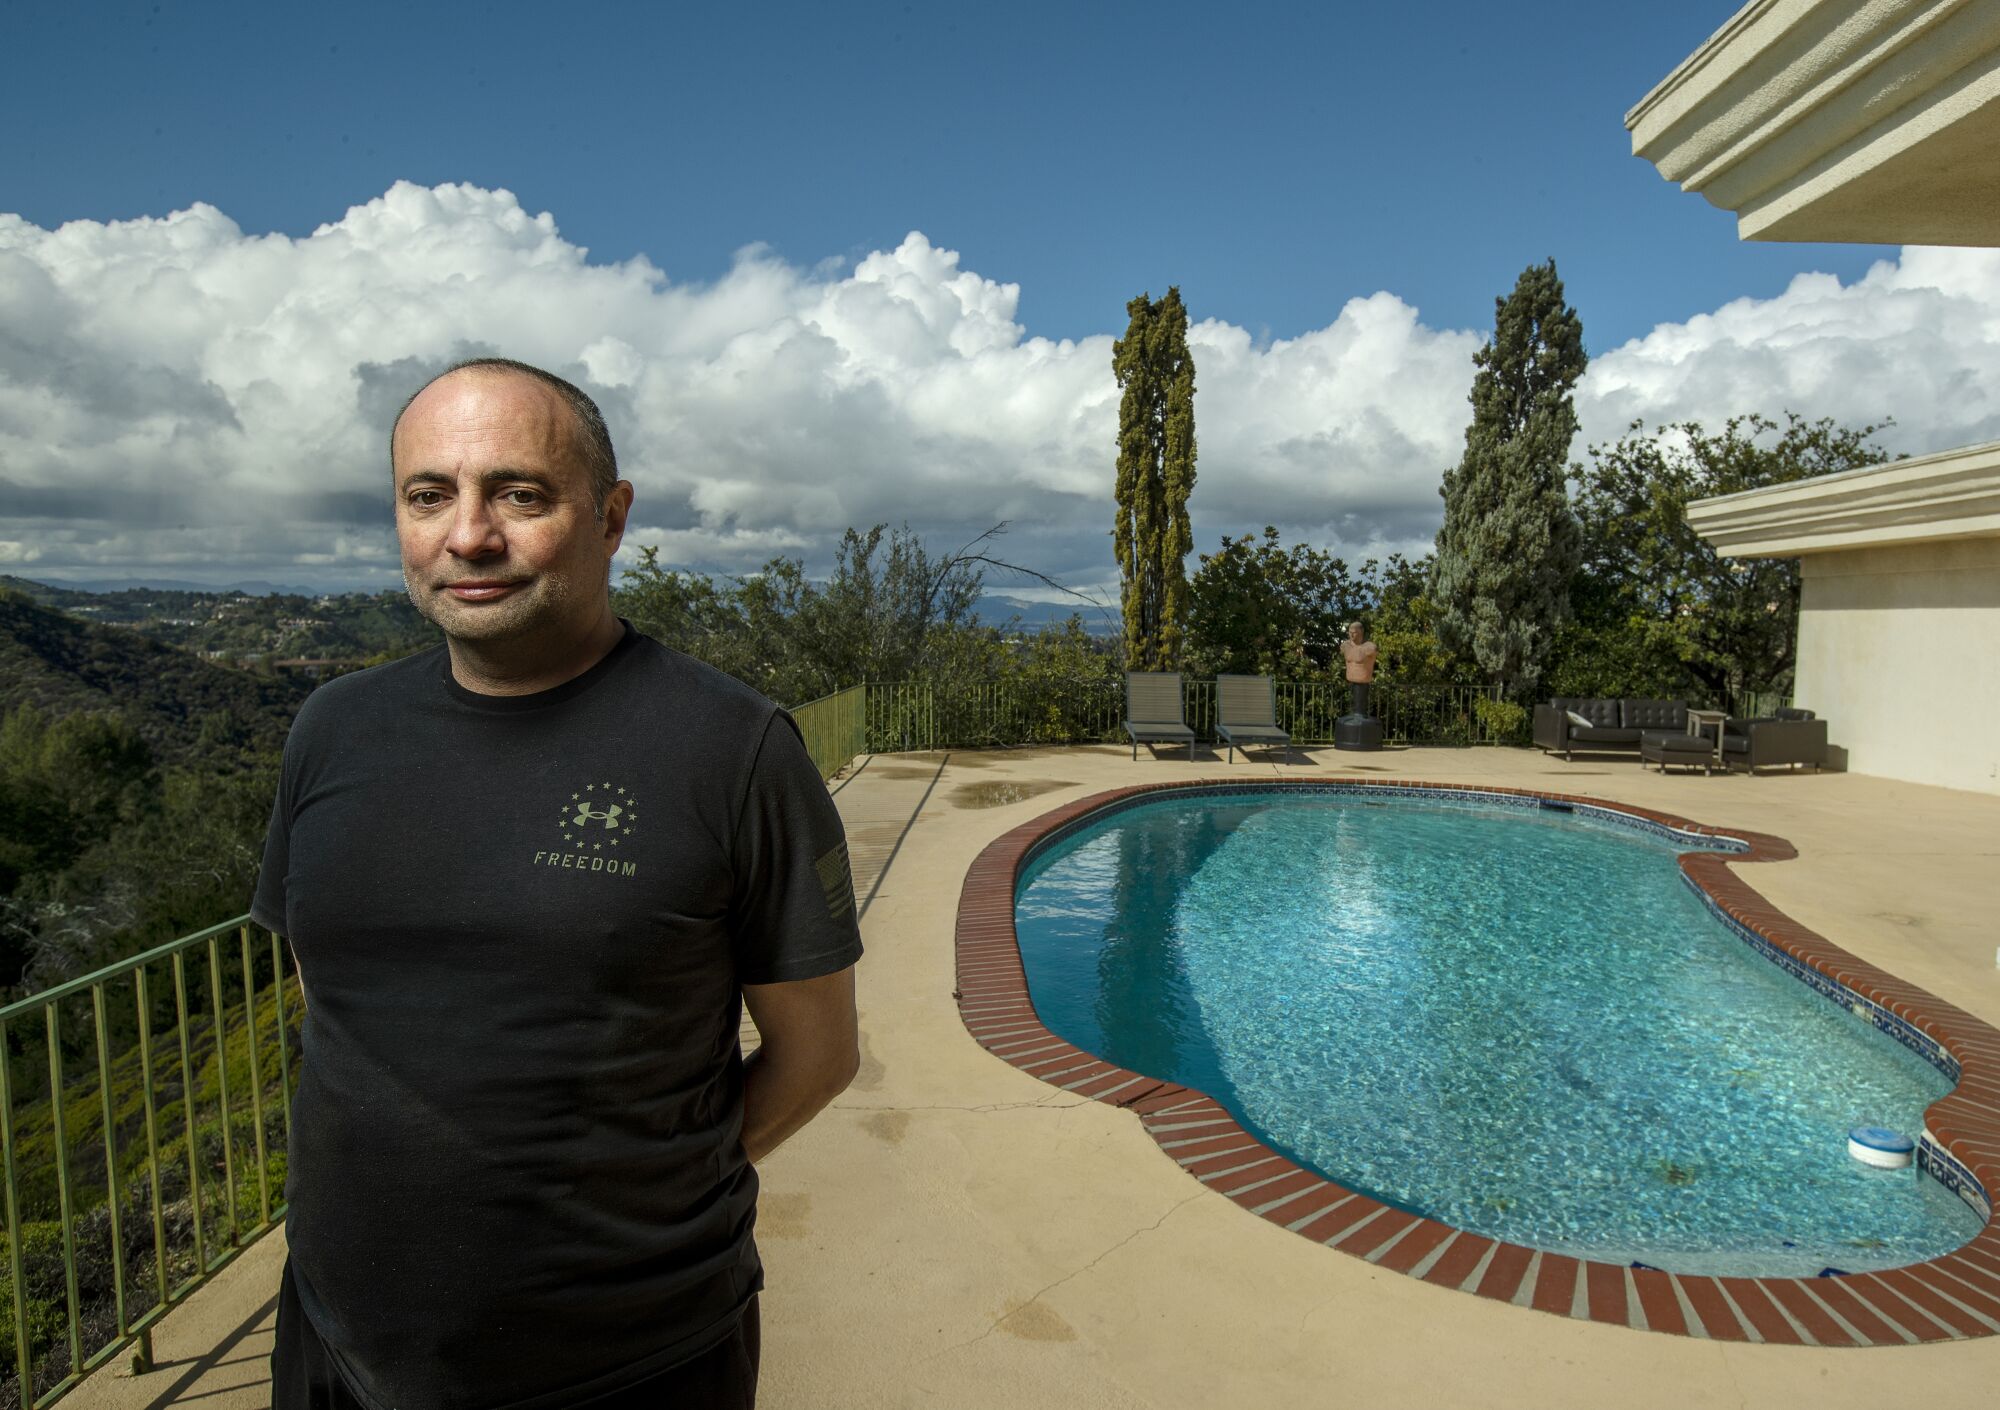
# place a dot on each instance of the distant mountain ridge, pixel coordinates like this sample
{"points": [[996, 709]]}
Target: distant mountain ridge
{"points": [[996, 609], [250, 588], [185, 707]]}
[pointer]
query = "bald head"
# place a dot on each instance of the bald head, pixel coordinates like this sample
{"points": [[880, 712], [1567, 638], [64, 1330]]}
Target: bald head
{"points": [[590, 438]]}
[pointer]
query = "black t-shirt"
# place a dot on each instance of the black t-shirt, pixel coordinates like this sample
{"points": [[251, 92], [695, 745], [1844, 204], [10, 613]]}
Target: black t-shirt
{"points": [[516, 1171]]}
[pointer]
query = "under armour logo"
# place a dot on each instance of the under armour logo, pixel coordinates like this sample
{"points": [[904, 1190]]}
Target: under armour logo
{"points": [[586, 814]]}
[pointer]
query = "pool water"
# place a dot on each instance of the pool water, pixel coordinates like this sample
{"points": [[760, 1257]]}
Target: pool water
{"points": [[1518, 1022]]}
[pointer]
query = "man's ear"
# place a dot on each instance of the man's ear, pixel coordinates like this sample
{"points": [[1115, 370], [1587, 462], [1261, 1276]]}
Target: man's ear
{"points": [[617, 510]]}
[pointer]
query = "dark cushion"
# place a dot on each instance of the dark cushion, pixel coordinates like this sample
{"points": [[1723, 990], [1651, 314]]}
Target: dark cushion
{"points": [[1599, 735], [1602, 713], [1790, 712], [1652, 714], [1670, 743]]}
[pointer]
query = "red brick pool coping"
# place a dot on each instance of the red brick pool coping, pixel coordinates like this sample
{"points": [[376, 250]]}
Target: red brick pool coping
{"points": [[1946, 1299]]}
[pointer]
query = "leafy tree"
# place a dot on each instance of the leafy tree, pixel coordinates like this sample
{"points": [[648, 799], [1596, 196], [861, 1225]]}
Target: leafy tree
{"points": [[1259, 608], [880, 612], [892, 610], [1660, 608], [1156, 456], [1508, 546], [690, 612], [65, 785]]}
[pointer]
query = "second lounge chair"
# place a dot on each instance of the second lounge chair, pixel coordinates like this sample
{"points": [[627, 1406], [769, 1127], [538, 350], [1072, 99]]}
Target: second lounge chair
{"points": [[1246, 713]]}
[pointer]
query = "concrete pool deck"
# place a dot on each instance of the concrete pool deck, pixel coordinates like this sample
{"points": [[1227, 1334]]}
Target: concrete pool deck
{"points": [[955, 1232]]}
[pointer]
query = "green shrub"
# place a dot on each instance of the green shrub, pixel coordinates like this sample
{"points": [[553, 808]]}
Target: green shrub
{"points": [[1501, 721]]}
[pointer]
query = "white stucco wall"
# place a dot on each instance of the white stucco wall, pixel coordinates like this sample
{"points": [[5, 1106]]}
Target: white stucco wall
{"points": [[1899, 651]]}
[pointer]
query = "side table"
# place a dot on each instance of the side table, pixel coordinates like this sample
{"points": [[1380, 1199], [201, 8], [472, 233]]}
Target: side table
{"points": [[1700, 720]]}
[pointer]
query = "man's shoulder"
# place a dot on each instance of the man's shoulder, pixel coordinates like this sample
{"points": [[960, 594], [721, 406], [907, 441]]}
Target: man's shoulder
{"points": [[357, 691], [687, 682]]}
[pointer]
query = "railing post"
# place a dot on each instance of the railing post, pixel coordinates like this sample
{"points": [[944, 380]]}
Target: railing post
{"points": [[110, 1157], [222, 1094], [152, 1140], [61, 1133], [26, 1371], [187, 1111], [256, 1078], [284, 1035]]}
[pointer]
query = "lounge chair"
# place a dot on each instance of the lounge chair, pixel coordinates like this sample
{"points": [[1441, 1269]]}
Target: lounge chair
{"points": [[1155, 711], [1246, 713]]}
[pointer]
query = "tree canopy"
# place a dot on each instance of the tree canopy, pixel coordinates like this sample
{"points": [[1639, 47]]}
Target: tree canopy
{"points": [[1508, 546], [1259, 608], [1658, 608], [1156, 457]]}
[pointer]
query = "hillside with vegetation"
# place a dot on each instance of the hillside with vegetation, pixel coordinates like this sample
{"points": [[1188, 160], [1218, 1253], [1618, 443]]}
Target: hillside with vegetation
{"points": [[270, 632], [187, 710], [135, 781]]}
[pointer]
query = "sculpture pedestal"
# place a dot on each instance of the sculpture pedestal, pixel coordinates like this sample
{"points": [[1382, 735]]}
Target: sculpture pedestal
{"points": [[1357, 732]]}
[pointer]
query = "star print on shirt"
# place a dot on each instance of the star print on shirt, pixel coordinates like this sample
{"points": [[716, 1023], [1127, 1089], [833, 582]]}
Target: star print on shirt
{"points": [[586, 823]]}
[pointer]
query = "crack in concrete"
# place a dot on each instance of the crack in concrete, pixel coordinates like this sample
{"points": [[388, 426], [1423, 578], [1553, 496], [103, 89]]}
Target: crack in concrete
{"points": [[1073, 1273], [1309, 1313]]}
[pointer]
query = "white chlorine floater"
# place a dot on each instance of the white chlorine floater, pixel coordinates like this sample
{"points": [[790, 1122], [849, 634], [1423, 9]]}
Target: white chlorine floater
{"points": [[1880, 1147]]}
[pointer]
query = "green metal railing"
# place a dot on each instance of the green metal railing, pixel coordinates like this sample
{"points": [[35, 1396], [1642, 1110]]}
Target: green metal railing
{"points": [[835, 728], [154, 1155], [910, 716]]}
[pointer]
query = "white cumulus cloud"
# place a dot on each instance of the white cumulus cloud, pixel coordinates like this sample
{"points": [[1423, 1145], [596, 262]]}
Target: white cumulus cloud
{"points": [[181, 399], [1916, 339]]}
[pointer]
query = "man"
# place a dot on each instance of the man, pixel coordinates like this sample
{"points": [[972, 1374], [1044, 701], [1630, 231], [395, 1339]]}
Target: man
{"points": [[1359, 654], [527, 876]]}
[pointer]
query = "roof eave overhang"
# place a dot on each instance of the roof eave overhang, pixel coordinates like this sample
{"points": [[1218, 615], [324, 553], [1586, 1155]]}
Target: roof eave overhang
{"points": [[1954, 494], [1871, 121]]}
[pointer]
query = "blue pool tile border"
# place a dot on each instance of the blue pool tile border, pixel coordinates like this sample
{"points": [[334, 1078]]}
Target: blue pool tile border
{"points": [[1596, 812], [1827, 987]]}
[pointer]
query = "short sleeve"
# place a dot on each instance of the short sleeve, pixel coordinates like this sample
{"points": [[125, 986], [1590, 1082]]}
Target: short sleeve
{"points": [[792, 913], [267, 907]]}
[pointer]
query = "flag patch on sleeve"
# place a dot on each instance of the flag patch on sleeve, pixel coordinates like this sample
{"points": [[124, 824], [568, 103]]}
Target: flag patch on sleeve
{"points": [[836, 879]]}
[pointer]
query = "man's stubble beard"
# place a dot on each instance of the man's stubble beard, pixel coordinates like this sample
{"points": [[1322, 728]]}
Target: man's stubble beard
{"points": [[519, 614]]}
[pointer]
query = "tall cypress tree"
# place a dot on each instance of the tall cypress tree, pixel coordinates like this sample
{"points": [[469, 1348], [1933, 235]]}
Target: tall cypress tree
{"points": [[1156, 455], [1509, 543]]}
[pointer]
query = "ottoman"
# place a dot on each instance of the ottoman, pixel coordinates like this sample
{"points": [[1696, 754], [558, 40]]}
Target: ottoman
{"points": [[1673, 747]]}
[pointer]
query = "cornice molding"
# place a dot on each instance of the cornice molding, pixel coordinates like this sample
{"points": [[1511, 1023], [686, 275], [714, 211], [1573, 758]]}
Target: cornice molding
{"points": [[1954, 494], [1793, 100]]}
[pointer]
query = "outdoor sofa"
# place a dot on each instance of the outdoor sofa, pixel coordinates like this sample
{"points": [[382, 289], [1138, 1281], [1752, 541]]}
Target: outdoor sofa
{"points": [[1567, 724], [1789, 737]]}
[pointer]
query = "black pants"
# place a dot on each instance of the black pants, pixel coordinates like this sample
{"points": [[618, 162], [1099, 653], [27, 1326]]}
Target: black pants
{"points": [[722, 1378], [1358, 693]]}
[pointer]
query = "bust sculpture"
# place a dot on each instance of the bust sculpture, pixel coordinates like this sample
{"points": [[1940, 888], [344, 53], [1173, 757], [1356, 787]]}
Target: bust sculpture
{"points": [[1359, 653]]}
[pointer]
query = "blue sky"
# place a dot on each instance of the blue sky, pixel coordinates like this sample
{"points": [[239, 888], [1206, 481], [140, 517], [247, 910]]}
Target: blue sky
{"points": [[1273, 160], [844, 265]]}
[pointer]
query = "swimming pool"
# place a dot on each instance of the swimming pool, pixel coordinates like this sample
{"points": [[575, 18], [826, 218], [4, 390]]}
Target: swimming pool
{"points": [[1517, 1021]]}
